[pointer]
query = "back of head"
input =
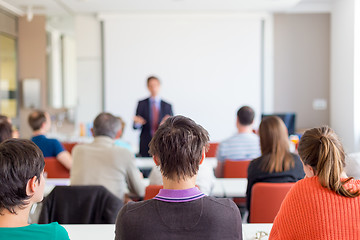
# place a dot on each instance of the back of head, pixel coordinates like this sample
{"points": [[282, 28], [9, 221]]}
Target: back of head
{"points": [[5, 131], [36, 119], [20, 160], [275, 145], [106, 124], [179, 144], [3, 118], [321, 149], [245, 115]]}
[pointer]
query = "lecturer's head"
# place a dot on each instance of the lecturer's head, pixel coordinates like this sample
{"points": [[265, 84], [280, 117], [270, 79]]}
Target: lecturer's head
{"points": [[153, 84], [178, 147]]}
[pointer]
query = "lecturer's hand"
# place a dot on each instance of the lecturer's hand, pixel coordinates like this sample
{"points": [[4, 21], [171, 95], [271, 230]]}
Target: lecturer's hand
{"points": [[164, 118], [139, 120]]}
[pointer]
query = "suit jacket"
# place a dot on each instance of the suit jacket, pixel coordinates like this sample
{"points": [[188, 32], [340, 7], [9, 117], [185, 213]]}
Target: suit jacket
{"points": [[143, 110]]}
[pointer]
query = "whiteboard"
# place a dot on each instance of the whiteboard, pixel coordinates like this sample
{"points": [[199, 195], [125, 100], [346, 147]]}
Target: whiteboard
{"points": [[209, 66]]}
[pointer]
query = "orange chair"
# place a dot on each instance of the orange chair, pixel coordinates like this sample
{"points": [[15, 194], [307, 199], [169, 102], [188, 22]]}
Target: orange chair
{"points": [[69, 146], [151, 191], [54, 169], [212, 150], [266, 199], [236, 169]]}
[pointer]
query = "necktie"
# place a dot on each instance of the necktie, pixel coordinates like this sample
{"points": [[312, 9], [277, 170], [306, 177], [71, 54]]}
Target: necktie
{"points": [[155, 118]]}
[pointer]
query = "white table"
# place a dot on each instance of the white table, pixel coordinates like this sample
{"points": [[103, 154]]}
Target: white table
{"points": [[223, 187], [107, 231]]}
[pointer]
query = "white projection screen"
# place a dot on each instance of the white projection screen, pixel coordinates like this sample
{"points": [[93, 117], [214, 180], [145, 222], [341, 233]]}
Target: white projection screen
{"points": [[209, 66]]}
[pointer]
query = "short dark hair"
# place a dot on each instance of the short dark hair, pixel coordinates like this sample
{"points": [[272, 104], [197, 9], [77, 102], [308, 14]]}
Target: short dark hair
{"points": [[3, 118], [179, 143], [20, 160], [106, 124], [36, 119], [151, 78], [5, 131], [246, 115]]}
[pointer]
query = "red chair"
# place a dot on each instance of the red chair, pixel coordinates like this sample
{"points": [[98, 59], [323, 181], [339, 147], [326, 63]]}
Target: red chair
{"points": [[69, 146], [54, 169], [236, 169], [212, 150], [151, 191], [266, 199]]}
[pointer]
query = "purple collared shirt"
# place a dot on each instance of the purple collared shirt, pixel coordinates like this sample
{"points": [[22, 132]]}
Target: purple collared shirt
{"points": [[186, 195]]}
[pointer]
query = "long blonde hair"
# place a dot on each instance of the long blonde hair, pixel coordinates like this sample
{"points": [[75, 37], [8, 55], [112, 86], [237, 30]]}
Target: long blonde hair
{"points": [[275, 145], [321, 149]]}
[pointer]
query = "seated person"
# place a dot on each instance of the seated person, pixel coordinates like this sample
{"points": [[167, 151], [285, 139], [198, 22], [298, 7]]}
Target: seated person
{"points": [[324, 205], [244, 145], [276, 163], [119, 142], [40, 123], [103, 163], [5, 131], [14, 131], [180, 210], [21, 189]]}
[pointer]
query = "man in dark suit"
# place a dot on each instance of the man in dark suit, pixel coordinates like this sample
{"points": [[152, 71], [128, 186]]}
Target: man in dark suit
{"points": [[150, 113]]}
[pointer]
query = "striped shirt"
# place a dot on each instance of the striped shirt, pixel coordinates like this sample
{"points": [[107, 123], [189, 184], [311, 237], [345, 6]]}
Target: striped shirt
{"points": [[186, 195], [241, 146]]}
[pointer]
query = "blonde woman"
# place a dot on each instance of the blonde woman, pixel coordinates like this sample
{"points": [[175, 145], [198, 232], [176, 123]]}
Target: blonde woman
{"points": [[326, 204], [276, 163]]}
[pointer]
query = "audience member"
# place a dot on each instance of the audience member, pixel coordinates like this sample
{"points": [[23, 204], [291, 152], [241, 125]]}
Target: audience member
{"points": [[244, 145], [22, 185], [5, 131], [103, 163], [276, 163], [150, 113], [119, 142], [324, 205], [40, 123], [14, 131], [180, 210]]}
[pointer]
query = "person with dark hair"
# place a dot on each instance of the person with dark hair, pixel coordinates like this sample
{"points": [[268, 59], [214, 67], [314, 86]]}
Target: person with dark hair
{"points": [[180, 210], [103, 163], [40, 123], [244, 145], [276, 163], [5, 131], [150, 113], [324, 205], [14, 131], [22, 184]]}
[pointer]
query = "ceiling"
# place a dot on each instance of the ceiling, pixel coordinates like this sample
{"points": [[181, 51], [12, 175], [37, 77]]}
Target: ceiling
{"points": [[61, 7]]}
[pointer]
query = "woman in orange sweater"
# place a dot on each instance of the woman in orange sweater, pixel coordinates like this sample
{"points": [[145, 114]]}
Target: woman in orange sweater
{"points": [[326, 204]]}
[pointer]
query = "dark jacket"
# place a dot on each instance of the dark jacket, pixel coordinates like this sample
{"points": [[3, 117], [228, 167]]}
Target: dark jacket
{"points": [[205, 218], [256, 174], [143, 110], [80, 205]]}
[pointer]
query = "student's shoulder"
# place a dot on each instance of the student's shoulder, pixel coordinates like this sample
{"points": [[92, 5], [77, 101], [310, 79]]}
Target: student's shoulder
{"points": [[52, 229], [133, 208], [221, 202]]}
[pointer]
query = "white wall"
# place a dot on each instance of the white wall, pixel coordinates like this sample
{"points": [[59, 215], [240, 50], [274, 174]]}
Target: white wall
{"points": [[89, 72], [209, 66], [344, 113]]}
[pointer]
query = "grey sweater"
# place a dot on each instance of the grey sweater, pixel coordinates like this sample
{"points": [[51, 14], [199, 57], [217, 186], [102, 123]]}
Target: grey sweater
{"points": [[205, 218]]}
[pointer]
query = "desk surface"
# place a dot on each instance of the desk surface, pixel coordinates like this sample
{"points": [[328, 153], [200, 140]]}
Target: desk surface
{"points": [[223, 187], [107, 231]]}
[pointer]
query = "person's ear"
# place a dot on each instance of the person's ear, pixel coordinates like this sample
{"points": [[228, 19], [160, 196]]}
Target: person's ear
{"points": [[309, 171], [156, 160], [118, 134], [202, 156], [32, 185]]}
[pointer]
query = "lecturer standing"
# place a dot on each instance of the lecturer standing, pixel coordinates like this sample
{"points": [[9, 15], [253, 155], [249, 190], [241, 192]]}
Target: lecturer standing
{"points": [[150, 113]]}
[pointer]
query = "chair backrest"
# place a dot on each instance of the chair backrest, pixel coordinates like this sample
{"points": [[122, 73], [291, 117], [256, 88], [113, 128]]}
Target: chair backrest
{"points": [[266, 199], [69, 146], [80, 205], [236, 169], [151, 191], [54, 169], [212, 150]]}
